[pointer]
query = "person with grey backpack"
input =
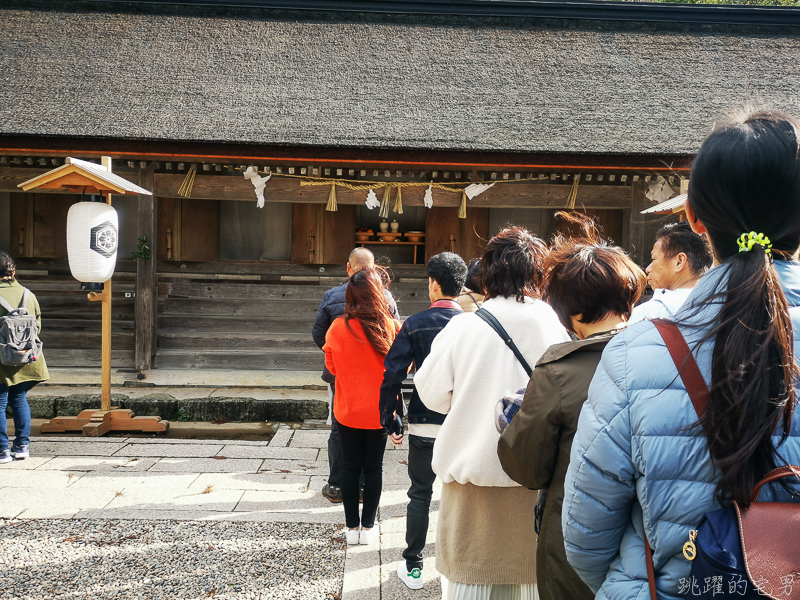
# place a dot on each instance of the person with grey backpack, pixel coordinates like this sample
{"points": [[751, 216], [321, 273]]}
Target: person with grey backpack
{"points": [[22, 363]]}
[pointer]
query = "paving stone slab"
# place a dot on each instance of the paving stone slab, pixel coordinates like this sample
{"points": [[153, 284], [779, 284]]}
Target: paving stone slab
{"points": [[281, 438], [178, 441], [295, 467], [30, 463], [126, 481], [66, 498], [310, 439], [170, 450], [81, 448], [91, 463], [309, 502], [266, 482], [44, 480], [78, 439], [48, 513], [159, 499], [207, 465], [237, 451]]}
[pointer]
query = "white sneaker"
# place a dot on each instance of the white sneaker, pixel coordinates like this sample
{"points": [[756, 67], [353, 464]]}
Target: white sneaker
{"points": [[352, 535], [5, 456], [368, 535], [412, 579]]}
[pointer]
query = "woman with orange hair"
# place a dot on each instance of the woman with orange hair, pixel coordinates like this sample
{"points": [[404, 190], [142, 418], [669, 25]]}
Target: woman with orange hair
{"points": [[355, 347]]}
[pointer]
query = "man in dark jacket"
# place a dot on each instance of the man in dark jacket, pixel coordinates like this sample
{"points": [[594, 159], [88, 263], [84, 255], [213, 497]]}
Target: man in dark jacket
{"points": [[332, 307], [446, 275]]}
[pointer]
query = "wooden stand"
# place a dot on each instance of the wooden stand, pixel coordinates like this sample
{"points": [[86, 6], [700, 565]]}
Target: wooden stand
{"points": [[94, 422]]}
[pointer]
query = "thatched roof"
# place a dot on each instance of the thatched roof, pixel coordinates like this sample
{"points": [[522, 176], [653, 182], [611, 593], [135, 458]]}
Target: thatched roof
{"points": [[392, 81]]}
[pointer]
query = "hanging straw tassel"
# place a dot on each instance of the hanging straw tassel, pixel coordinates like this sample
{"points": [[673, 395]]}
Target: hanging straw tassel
{"points": [[332, 200], [384, 212], [462, 210], [398, 202], [573, 194], [188, 182]]}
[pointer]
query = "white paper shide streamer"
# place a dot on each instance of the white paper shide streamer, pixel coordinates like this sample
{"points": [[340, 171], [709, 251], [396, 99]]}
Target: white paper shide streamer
{"points": [[476, 189], [92, 239], [428, 200], [258, 182], [372, 200]]}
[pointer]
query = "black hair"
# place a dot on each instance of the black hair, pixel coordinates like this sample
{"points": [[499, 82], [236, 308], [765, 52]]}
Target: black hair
{"points": [[473, 282], [513, 264], [746, 177], [7, 266], [449, 271], [679, 237], [589, 277]]}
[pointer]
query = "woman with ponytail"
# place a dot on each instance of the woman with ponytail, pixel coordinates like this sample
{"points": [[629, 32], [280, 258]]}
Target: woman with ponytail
{"points": [[642, 465], [355, 347]]}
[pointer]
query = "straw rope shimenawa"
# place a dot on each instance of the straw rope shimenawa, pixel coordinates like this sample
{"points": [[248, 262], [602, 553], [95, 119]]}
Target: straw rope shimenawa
{"points": [[388, 186]]}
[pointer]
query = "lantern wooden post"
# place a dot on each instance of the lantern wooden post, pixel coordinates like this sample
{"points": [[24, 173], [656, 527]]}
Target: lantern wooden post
{"points": [[82, 177]]}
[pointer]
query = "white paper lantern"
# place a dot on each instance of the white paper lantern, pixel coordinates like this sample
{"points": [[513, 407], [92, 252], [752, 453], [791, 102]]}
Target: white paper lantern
{"points": [[92, 239]]}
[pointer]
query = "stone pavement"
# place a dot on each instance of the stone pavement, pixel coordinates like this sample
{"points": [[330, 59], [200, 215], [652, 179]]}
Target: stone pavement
{"points": [[163, 478]]}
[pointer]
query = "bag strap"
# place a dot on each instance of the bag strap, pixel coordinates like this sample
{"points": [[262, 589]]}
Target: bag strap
{"points": [[6, 305], [779, 473], [697, 389], [495, 324], [687, 367], [24, 302]]}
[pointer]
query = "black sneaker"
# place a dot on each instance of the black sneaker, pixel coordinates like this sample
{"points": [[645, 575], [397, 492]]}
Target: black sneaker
{"points": [[332, 493]]}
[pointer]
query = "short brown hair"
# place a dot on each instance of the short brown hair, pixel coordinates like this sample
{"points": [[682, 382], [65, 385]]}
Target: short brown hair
{"points": [[513, 264], [589, 277]]}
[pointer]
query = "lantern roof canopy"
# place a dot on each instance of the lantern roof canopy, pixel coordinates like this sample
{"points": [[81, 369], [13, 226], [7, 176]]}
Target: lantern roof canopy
{"points": [[671, 206], [78, 175]]}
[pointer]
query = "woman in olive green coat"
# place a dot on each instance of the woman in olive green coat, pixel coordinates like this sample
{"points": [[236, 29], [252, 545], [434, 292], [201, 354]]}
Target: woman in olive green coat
{"points": [[592, 287], [16, 381]]}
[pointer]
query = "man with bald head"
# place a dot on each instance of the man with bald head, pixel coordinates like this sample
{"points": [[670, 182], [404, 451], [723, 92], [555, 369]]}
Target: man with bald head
{"points": [[331, 307]]}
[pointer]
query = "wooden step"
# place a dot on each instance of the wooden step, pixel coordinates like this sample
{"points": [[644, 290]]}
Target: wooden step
{"points": [[169, 339], [121, 359], [298, 360], [266, 291], [276, 324], [120, 339]]}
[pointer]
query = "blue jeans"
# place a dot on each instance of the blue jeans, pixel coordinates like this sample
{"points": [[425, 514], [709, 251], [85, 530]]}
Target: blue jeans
{"points": [[15, 397]]}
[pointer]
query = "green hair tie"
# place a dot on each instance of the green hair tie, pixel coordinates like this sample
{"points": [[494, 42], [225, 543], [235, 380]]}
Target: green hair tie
{"points": [[748, 240]]}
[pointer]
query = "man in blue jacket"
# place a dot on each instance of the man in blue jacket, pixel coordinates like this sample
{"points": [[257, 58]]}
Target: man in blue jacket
{"points": [[332, 307], [447, 273]]}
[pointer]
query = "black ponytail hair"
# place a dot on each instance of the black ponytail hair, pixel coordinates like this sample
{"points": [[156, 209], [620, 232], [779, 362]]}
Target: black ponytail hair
{"points": [[746, 177], [7, 266]]}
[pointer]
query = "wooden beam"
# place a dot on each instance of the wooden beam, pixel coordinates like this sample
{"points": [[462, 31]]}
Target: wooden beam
{"points": [[280, 189], [145, 303], [636, 223]]}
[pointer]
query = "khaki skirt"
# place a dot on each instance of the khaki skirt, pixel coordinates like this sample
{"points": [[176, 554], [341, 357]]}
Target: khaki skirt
{"points": [[486, 535]]}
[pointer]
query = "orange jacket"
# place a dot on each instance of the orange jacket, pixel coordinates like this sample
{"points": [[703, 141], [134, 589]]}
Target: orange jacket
{"points": [[359, 373]]}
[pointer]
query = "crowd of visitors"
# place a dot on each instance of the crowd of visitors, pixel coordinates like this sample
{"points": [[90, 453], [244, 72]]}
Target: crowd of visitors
{"points": [[547, 403]]}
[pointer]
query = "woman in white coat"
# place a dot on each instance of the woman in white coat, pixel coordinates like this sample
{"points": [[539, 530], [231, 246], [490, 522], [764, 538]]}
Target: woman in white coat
{"points": [[485, 541]]}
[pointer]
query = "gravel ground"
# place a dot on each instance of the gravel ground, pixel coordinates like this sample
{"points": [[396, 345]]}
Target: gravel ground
{"points": [[169, 560]]}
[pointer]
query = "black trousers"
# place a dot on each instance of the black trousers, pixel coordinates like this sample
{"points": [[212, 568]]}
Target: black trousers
{"points": [[420, 471], [335, 450], [362, 449]]}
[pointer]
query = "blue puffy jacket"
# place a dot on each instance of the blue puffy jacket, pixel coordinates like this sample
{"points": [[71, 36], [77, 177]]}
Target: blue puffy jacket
{"points": [[634, 463]]}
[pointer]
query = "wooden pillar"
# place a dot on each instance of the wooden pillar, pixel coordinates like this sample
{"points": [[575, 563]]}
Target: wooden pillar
{"points": [[105, 383], [145, 304], [636, 224]]}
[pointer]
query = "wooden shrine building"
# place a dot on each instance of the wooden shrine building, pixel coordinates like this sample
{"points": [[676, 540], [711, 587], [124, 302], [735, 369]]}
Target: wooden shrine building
{"points": [[575, 109]]}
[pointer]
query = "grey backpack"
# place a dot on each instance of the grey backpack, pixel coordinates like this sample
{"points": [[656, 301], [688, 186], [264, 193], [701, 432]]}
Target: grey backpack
{"points": [[19, 334]]}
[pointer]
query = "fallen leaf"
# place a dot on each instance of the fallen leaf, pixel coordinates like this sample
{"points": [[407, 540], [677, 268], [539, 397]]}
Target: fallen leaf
{"points": [[208, 490], [210, 547], [74, 538], [334, 596], [220, 457], [219, 421], [284, 470], [211, 594], [118, 494], [404, 462], [70, 477]]}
